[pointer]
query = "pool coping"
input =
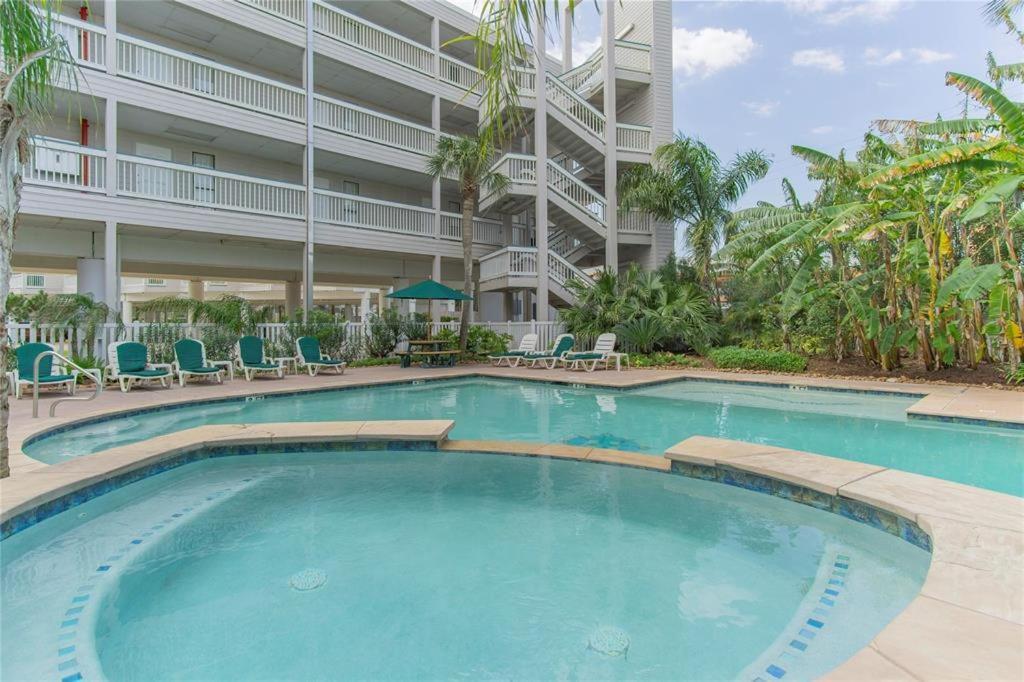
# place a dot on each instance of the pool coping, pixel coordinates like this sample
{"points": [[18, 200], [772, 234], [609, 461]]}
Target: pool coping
{"points": [[933, 403], [967, 622]]}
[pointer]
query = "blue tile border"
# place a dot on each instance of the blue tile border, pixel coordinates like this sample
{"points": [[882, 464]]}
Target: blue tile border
{"points": [[854, 510], [802, 640], [30, 517]]}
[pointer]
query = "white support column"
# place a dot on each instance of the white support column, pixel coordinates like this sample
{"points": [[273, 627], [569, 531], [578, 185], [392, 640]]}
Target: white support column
{"points": [[292, 296], [435, 187], [611, 163], [540, 150], [110, 142], [364, 306], [435, 274], [435, 45], [309, 174], [110, 46], [196, 289], [112, 266], [567, 16]]}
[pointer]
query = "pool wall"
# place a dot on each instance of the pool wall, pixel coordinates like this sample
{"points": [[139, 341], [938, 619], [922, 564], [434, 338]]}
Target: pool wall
{"points": [[967, 621]]}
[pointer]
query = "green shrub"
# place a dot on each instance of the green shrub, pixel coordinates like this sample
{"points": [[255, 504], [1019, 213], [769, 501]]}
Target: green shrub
{"points": [[483, 341], [219, 342], [1014, 375], [663, 360], [374, 362], [734, 357]]}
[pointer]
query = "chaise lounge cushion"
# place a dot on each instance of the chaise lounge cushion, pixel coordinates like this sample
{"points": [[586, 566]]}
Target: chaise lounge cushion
{"points": [[145, 373], [56, 378], [26, 355], [131, 357]]}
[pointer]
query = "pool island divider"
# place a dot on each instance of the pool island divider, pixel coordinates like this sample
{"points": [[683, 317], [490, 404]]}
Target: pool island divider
{"points": [[967, 622]]}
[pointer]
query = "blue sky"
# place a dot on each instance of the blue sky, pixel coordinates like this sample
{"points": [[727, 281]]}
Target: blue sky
{"points": [[767, 75]]}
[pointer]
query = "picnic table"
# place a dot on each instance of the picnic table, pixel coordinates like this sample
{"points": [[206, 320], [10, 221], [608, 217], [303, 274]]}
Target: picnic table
{"points": [[432, 353]]}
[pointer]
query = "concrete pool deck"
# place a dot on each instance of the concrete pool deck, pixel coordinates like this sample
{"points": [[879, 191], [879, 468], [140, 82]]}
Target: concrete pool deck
{"points": [[939, 401], [967, 622]]}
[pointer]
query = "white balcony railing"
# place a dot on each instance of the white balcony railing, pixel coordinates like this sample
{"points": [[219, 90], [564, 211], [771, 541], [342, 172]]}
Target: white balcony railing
{"points": [[518, 168], [62, 164], [169, 68], [180, 184], [355, 121], [484, 231], [636, 222], [633, 138], [350, 29], [512, 261], [354, 211], [588, 75], [575, 107], [289, 10], [86, 42], [561, 271], [576, 191], [459, 73]]}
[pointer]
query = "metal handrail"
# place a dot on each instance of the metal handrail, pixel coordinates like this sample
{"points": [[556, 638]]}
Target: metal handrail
{"points": [[67, 363]]}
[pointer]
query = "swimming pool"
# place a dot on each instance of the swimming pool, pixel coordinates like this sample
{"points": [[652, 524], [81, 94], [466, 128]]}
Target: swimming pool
{"points": [[398, 565], [867, 428]]}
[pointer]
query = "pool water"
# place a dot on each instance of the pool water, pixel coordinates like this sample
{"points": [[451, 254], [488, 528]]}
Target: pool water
{"points": [[865, 428], [400, 565]]}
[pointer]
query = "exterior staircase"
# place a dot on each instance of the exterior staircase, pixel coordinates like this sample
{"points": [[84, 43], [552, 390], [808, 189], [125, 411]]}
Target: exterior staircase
{"points": [[515, 267]]}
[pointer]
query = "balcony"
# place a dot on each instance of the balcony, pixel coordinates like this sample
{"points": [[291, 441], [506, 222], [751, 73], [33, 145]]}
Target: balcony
{"points": [[55, 163], [202, 188], [355, 121]]}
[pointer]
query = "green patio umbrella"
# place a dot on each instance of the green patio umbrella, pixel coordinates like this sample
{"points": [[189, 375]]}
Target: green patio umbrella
{"points": [[429, 290]]}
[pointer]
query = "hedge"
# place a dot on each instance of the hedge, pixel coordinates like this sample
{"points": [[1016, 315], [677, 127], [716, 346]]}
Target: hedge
{"points": [[734, 357]]}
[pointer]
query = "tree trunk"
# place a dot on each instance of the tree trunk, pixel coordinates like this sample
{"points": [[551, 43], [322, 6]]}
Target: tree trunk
{"points": [[11, 198], [467, 268]]}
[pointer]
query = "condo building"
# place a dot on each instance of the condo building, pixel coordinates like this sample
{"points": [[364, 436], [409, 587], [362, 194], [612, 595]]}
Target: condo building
{"points": [[223, 145]]}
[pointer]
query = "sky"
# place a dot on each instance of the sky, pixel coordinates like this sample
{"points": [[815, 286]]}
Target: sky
{"points": [[767, 75]]}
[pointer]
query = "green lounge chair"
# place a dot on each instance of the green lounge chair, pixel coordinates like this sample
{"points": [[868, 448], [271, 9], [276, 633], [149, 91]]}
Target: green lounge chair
{"points": [[252, 359], [25, 356], [548, 360], [190, 360], [128, 363], [528, 344], [308, 355], [603, 352]]}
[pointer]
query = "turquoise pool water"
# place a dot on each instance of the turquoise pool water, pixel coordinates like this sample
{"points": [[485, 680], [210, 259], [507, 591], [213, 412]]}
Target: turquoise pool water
{"points": [[433, 565], [866, 428]]}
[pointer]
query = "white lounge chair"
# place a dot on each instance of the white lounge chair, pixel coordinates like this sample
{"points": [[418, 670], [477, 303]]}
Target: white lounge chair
{"points": [[308, 355], [549, 359], [128, 363], [602, 353], [252, 358], [25, 358], [528, 344], [190, 361]]}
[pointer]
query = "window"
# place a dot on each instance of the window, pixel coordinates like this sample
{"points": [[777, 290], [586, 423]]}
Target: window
{"points": [[203, 185], [454, 207], [350, 209], [35, 281], [155, 282]]}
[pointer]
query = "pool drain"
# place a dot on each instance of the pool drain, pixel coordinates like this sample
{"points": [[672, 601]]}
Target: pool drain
{"points": [[308, 579], [609, 641]]}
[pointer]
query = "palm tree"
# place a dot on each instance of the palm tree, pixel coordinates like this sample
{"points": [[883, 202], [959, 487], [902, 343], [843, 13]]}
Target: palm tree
{"points": [[687, 183], [33, 59], [234, 313], [470, 160]]}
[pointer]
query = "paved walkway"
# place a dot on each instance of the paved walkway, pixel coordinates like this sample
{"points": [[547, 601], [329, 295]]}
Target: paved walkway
{"points": [[939, 400]]}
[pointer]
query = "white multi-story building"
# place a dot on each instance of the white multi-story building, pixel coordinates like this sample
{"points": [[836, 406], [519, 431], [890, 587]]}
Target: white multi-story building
{"points": [[285, 142]]}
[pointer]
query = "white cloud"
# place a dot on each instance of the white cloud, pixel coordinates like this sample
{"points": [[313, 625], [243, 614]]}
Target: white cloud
{"points": [[709, 50], [923, 55], [581, 49], [877, 57], [833, 13], [762, 109], [827, 60], [822, 130]]}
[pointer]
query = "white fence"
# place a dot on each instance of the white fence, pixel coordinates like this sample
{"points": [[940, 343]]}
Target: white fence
{"points": [[69, 341]]}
